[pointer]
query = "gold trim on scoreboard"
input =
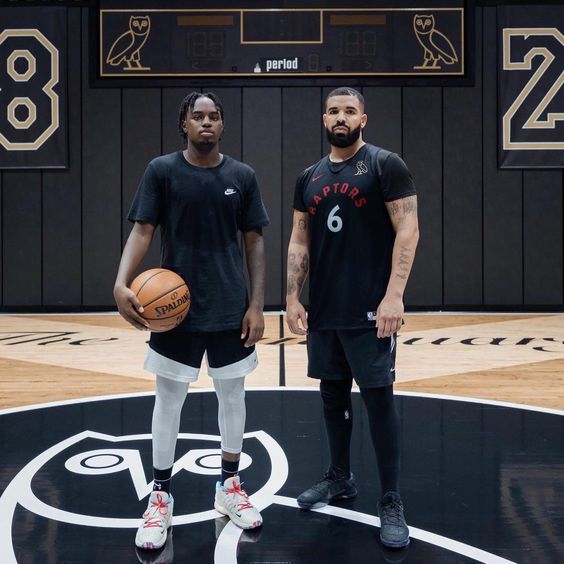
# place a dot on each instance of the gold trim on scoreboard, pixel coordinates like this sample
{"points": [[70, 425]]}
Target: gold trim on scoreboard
{"points": [[201, 17]]}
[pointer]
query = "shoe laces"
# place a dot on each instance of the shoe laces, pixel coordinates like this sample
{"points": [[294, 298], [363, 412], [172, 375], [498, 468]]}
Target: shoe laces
{"points": [[236, 490], [327, 480], [158, 507], [392, 511]]}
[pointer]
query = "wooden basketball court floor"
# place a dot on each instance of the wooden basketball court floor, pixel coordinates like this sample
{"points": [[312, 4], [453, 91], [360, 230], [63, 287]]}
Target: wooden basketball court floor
{"points": [[482, 477], [516, 358]]}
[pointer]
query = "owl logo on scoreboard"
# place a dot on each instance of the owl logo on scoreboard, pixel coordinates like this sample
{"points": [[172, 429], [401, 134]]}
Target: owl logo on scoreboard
{"points": [[436, 45], [126, 49]]}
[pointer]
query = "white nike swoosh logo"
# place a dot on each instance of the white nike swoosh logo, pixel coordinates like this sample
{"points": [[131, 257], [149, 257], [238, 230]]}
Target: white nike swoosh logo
{"points": [[229, 191]]}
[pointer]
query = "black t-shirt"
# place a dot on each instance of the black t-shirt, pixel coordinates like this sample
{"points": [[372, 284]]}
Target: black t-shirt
{"points": [[200, 211], [352, 236]]}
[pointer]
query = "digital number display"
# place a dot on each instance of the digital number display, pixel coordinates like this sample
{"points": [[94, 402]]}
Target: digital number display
{"points": [[282, 42]]}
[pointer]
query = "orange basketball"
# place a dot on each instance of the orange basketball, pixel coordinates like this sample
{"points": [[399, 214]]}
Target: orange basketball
{"points": [[164, 296]]}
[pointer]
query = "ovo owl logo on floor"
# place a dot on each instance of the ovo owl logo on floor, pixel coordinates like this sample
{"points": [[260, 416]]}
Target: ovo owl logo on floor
{"points": [[114, 454]]}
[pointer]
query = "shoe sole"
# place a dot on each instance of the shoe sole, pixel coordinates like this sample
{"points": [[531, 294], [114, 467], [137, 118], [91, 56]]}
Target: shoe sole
{"points": [[395, 545], [150, 545], [320, 504], [239, 522]]}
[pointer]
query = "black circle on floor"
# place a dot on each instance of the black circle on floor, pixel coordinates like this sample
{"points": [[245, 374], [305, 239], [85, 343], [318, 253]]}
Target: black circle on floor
{"points": [[479, 481]]}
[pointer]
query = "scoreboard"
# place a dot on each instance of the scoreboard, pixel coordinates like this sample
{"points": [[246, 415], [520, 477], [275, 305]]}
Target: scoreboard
{"points": [[317, 42]]}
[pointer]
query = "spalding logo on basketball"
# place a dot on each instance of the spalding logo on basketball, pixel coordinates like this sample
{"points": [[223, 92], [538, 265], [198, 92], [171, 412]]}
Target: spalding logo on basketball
{"points": [[165, 298]]}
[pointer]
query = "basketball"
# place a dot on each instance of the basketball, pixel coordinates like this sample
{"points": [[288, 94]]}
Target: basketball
{"points": [[165, 298]]}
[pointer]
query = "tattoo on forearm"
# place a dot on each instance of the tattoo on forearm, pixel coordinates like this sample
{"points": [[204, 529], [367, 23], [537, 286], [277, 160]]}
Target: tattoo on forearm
{"points": [[302, 224], [297, 272], [292, 287], [292, 263], [394, 208], [404, 263]]}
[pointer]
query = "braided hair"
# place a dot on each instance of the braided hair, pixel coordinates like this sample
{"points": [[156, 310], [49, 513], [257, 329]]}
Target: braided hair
{"points": [[187, 105]]}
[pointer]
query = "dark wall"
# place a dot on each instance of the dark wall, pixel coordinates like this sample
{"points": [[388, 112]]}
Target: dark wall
{"points": [[489, 238]]}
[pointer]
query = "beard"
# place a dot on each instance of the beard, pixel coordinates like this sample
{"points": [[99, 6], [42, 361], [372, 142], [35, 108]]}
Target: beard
{"points": [[343, 140], [204, 146]]}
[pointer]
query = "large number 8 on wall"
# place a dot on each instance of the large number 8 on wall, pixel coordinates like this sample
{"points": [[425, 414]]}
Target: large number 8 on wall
{"points": [[46, 98]]}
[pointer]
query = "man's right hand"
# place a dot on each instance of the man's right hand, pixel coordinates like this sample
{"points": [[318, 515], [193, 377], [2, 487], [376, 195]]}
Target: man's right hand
{"points": [[295, 312], [129, 307]]}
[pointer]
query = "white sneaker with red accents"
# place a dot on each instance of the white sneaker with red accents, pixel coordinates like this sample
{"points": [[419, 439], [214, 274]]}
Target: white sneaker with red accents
{"points": [[152, 532], [234, 502]]}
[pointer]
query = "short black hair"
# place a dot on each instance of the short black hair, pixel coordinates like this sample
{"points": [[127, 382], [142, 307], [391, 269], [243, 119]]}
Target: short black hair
{"points": [[188, 105], [345, 91]]}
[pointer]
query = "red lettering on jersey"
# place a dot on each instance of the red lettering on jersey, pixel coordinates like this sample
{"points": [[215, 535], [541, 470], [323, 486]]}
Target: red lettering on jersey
{"points": [[326, 191], [335, 187], [316, 199], [344, 188], [354, 193], [312, 210], [360, 202]]}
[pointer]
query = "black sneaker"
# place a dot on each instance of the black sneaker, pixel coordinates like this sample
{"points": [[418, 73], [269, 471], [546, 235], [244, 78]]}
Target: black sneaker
{"points": [[393, 528], [331, 487]]}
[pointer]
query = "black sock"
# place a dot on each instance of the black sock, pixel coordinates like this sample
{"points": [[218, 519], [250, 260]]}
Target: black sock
{"points": [[229, 468], [384, 429], [162, 480], [338, 415]]}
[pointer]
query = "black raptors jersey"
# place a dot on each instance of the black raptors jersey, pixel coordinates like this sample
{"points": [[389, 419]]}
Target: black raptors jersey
{"points": [[352, 236]]}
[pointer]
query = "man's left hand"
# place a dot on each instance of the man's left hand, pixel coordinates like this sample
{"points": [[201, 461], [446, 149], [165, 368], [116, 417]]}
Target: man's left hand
{"points": [[389, 316]]}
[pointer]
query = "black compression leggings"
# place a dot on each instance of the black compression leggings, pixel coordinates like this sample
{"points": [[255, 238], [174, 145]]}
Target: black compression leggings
{"points": [[383, 421], [384, 429], [338, 415]]}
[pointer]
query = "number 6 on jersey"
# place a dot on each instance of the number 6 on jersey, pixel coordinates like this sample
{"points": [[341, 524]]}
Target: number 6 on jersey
{"points": [[334, 222]]}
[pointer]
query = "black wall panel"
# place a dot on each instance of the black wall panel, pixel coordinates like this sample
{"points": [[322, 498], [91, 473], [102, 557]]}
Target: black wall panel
{"points": [[101, 185], [171, 100], [1, 240], [422, 152], [489, 238], [21, 238], [384, 126], [503, 197], [62, 197], [301, 147], [462, 192], [232, 139], [542, 234], [141, 143], [262, 149]]}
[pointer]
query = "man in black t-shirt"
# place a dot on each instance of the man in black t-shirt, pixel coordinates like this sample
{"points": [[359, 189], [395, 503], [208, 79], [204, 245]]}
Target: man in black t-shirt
{"points": [[201, 199], [355, 232]]}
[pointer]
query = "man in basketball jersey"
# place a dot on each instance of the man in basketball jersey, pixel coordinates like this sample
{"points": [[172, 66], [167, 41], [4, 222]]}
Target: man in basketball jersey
{"points": [[201, 199], [355, 231]]}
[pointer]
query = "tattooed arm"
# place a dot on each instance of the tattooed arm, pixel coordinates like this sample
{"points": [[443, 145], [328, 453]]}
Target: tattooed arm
{"points": [[298, 268], [403, 215]]}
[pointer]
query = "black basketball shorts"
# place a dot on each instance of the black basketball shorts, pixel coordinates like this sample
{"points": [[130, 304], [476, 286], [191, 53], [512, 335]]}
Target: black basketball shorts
{"points": [[178, 355], [352, 353]]}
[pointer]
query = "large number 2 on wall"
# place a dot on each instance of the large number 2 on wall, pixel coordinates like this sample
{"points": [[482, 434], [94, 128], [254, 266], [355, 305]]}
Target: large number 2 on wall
{"points": [[36, 101], [530, 90]]}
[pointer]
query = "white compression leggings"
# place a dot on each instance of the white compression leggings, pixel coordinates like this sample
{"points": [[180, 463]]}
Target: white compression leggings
{"points": [[169, 399]]}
